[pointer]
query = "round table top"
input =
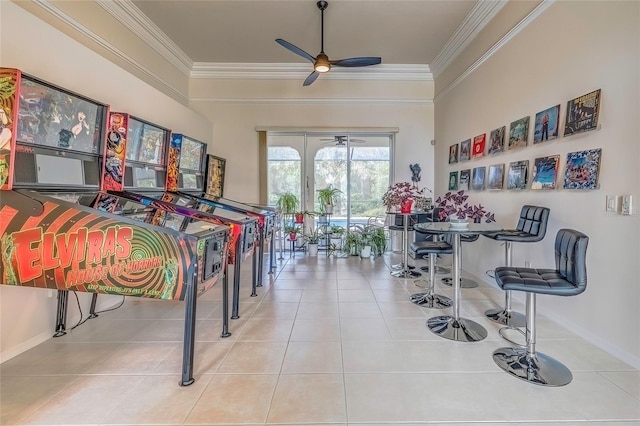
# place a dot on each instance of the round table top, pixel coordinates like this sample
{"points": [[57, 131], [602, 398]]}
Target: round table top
{"points": [[445, 228]]}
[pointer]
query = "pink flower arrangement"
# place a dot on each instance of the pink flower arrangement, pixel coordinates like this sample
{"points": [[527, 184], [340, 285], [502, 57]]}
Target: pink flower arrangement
{"points": [[455, 203], [399, 192]]}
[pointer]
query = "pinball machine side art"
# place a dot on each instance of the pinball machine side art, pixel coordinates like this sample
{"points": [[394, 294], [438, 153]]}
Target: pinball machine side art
{"points": [[9, 84], [215, 175]]}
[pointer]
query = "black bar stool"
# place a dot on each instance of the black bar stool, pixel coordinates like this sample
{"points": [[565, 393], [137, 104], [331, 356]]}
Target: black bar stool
{"points": [[435, 217], [568, 279], [432, 249], [532, 227]]}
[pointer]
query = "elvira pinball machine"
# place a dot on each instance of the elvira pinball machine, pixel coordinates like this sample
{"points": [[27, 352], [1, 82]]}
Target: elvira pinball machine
{"points": [[186, 177], [143, 149], [51, 237]]}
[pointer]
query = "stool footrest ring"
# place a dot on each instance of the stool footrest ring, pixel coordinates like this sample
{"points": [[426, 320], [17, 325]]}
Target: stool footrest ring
{"points": [[503, 330]]}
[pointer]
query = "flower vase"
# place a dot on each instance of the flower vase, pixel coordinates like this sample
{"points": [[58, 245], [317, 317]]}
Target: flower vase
{"points": [[405, 206]]}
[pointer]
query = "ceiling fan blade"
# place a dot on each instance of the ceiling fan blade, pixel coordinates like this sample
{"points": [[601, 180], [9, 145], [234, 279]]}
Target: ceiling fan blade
{"points": [[311, 78], [295, 49], [357, 62]]}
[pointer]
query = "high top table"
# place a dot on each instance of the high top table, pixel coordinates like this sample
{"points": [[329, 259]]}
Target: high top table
{"points": [[447, 326]]}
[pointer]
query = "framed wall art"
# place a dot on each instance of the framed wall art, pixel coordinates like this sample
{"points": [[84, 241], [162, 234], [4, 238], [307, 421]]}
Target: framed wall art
{"points": [[517, 175], [496, 140], [465, 150], [495, 179], [477, 179], [453, 181], [545, 172], [479, 143], [453, 154], [546, 124], [581, 171], [519, 133], [582, 113], [463, 181]]}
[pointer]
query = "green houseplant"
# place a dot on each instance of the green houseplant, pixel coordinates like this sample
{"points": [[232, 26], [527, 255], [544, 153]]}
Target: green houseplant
{"points": [[378, 240], [292, 230], [288, 203], [327, 198]]}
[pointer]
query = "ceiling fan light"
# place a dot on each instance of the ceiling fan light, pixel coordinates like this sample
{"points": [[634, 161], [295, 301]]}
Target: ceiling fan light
{"points": [[322, 63]]}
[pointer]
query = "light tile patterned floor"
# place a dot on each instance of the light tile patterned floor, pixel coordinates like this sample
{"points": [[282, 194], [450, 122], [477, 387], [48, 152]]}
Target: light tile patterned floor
{"points": [[327, 341]]}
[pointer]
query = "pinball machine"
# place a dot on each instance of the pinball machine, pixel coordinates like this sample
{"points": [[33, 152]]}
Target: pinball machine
{"points": [[186, 179], [143, 155], [52, 237]]}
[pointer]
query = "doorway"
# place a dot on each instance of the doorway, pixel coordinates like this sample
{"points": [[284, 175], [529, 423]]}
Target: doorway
{"points": [[358, 164]]}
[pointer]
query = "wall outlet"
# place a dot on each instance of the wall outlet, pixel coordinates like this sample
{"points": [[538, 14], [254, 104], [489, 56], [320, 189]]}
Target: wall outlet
{"points": [[612, 204], [627, 206]]}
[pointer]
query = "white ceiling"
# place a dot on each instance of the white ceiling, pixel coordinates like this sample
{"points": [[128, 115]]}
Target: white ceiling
{"points": [[242, 31]]}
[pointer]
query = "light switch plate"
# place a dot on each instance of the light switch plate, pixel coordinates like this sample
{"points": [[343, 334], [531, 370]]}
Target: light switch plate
{"points": [[612, 204], [627, 206]]}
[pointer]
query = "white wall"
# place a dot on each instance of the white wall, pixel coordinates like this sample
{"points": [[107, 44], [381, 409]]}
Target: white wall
{"points": [[26, 314], [236, 108], [571, 49]]}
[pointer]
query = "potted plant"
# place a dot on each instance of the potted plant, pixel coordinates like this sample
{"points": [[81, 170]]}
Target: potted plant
{"points": [[336, 235], [352, 242], [292, 230], [365, 242], [402, 195], [288, 203], [378, 240], [313, 238], [454, 204], [327, 198]]}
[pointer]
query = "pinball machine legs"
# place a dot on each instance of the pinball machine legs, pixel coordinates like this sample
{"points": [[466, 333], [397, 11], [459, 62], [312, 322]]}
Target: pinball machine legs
{"points": [[189, 331], [61, 313]]}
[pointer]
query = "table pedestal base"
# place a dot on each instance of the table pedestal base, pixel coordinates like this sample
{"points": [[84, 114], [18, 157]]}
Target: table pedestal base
{"points": [[464, 282], [427, 300], [460, 330]]}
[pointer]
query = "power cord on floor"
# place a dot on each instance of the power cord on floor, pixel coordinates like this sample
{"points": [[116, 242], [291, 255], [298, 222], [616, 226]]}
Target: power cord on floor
{"points": [[491, 273], [82, 320]]}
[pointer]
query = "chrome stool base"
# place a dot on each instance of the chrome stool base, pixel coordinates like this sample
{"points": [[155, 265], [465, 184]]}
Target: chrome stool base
{"points": [[460, 330], [441, 270], [427, 300], [464, 282], [536, 368], [511, 319], [406, 274]]}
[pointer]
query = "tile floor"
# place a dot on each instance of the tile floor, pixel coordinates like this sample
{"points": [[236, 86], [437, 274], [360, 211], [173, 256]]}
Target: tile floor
{"points": [[327, 341]]}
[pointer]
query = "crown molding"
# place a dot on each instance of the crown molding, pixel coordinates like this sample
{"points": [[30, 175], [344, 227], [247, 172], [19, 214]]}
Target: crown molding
{"points": [[49, 7], [543, 6], [129, 15], [307, 101], [257, 71], [481, 14]]}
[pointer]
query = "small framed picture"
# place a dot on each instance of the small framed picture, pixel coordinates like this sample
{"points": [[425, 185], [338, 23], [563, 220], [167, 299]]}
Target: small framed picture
{"points": [[519, 133], [465, 150], [496, 140], [479, 143], [477, 179], [453, 181], [496, 177], [546, 125], [545, 172], [453, 154], [582, 113], [517, 176], [463, 181], [582, 169]]}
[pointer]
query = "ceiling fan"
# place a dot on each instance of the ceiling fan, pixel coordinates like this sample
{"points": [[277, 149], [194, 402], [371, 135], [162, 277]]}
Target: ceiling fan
{"points": [[321, 63], [341, 141]]}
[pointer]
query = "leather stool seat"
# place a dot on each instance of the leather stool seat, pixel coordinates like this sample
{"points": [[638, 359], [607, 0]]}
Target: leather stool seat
{"points": [[532, 227], [568, 279]]}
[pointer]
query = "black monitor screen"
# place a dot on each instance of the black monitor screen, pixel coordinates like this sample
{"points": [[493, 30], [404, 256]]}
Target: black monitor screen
{"points": [[147, 143], [51, 117]]}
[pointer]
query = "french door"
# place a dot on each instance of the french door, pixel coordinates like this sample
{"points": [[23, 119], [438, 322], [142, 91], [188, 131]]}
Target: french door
{"points": [[359, 165]]}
